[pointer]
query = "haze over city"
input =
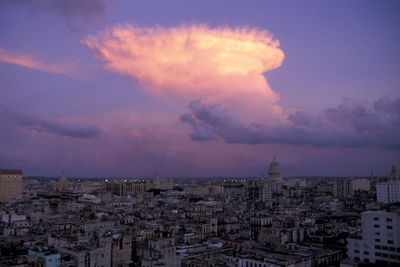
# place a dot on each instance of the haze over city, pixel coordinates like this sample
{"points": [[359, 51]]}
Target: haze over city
{"points": [[199, 88]]}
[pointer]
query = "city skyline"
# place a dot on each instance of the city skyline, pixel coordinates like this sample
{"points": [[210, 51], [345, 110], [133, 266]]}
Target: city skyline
{"points": [[115, 88]]}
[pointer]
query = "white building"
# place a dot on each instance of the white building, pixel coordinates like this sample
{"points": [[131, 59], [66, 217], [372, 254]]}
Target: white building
{"points": [[388, 192], [361, 185], [380, 241]]}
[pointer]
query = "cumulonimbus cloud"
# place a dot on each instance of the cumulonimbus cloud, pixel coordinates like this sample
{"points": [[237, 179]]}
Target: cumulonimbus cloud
{"points": [[223, 65], [37, 125], [27, 61]]}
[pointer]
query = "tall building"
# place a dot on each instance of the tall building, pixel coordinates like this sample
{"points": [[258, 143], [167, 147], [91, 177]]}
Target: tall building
{"points": [[274, 173], [389, 192], [361, 185], [10, 184], [156, 181], [393, 174], [274, 177], [343, 188], [380, 240]]}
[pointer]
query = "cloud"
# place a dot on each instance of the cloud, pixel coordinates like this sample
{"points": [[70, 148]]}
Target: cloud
{"points": [[28, 62], [75, 13], [40, 126], [350, 124], [209, 121], [202, 131], [221, 65]]}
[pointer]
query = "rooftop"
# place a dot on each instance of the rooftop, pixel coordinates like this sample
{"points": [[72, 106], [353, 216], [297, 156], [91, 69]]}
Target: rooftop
{"points": [[5, 171]]}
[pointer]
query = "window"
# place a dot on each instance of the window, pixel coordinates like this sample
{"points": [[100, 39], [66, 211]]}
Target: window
{"points": [[392, 249], [356, 251], [390, 241], [385, 255], [376, 225], [392, 256], [377, 233], [366, 253], [384, 248], [389, 219], [377, 240], [378, 254], [376, 219], [389, 227]]}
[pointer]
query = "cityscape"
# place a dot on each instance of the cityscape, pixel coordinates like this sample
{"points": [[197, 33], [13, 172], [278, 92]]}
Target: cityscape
{"points": [[199, 133], [264, 221]]}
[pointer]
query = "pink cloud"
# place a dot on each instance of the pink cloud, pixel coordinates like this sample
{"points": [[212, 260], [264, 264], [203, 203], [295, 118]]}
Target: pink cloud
{"points": [[223, 65], [27, 61]]}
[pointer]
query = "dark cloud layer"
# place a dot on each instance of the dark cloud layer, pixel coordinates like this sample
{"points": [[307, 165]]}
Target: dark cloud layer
{"points": [[350, 124], [75, 13], [52, 127]]}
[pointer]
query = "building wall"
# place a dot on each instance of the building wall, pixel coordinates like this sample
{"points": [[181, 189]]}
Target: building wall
{"points": [[343, 188], [10, 185], [388, 192], [380, 240], [361, 185]]}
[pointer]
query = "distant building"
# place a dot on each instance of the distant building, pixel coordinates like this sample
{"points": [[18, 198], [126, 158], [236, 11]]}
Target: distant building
{"points": [[389, 192], [361, 185], [275, 177], [274, 172], [380, 240], [163, 185], [343, 188], [62, 184], [393, 174], [10, 184], [125, 187]]}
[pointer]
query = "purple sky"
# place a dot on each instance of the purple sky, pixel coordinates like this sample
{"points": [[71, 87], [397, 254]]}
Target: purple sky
{"points": [[199, 88]]}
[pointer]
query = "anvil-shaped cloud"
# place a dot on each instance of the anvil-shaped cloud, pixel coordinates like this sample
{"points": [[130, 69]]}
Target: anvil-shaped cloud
{"points": [[223, 65]]}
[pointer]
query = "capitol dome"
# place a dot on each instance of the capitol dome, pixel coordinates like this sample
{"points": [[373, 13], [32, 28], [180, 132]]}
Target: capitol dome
{"points": [[274, 173]]}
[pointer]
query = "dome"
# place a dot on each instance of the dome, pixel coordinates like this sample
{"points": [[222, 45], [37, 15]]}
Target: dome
{"points": [[274, 173]]}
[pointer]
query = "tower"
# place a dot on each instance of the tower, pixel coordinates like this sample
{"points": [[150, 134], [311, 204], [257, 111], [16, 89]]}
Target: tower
{"points": [[156, 181], [393, 174], [274, 173]]}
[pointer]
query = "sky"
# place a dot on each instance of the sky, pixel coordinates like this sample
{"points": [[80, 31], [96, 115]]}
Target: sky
{"points": [[103, 88]]}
